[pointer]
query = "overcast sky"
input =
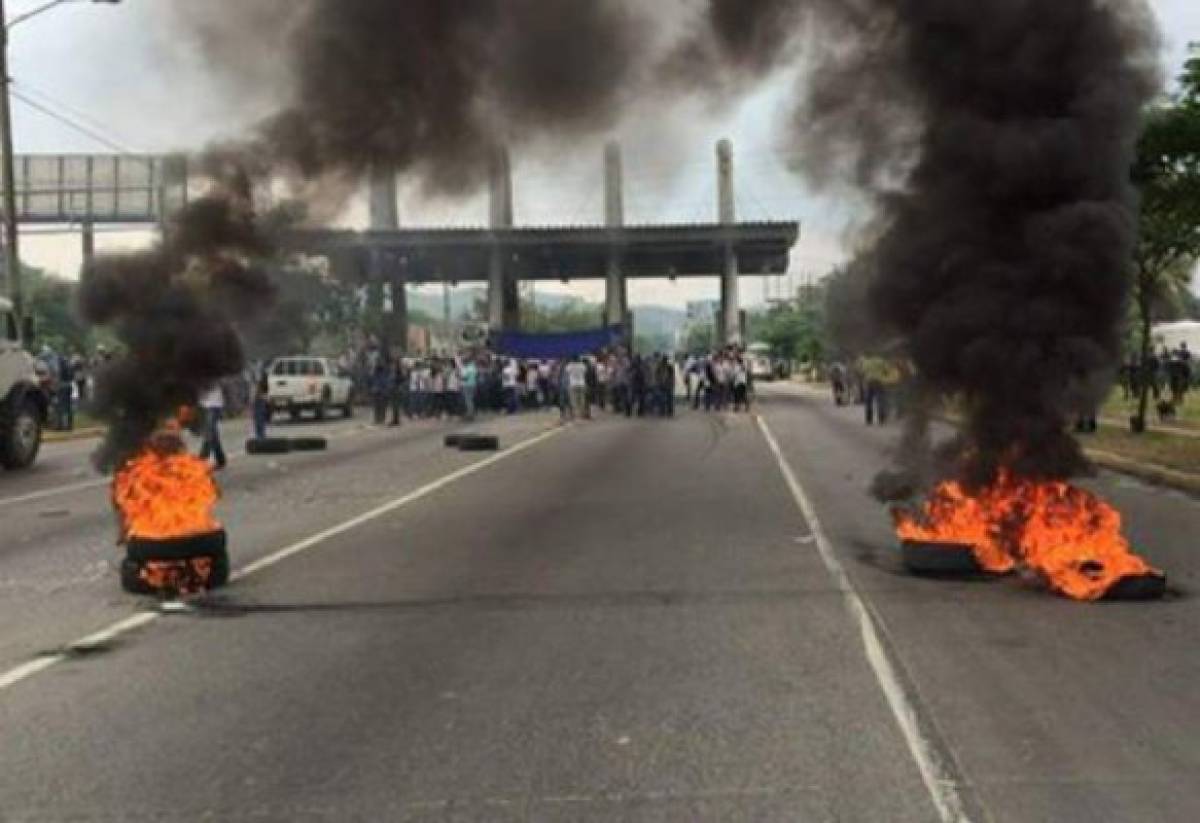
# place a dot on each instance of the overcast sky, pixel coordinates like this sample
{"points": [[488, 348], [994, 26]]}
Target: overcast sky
{"points": [[105, 67]]}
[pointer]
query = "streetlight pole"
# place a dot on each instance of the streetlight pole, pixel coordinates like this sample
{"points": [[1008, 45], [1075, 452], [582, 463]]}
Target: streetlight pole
{"points": [[12, 252]]}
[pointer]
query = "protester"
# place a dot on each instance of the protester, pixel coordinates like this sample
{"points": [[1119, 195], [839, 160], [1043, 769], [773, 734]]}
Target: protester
{"points": [[261, 407], [212, 405], [470, 381], [876, 373], [399, 393]]}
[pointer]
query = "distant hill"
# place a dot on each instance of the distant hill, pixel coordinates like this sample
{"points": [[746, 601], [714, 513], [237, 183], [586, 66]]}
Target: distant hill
{"points": [[649, 320]]}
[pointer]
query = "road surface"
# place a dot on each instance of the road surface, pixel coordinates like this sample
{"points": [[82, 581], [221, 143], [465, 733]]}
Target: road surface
{"points": [[616, 620]]}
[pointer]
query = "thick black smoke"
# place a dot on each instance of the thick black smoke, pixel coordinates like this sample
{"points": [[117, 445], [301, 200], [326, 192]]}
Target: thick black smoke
{"points": [[429, 87], [1008, 212], [992, 137], [174, 309]]}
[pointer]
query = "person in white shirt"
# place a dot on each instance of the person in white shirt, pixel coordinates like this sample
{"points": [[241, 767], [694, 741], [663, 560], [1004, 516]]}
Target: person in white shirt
{"points": [[212, 403], [509, 381], [576, 386]]}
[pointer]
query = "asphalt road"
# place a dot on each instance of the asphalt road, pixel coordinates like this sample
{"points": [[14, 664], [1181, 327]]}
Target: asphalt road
{"points": [[617, 620]]}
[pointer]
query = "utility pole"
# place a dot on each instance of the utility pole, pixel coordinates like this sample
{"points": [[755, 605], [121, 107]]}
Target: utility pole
{"points": [[12, 254]]}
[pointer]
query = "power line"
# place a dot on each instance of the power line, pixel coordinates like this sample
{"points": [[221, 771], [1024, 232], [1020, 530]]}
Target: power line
{"points": [[66, 121], [73, 111]]}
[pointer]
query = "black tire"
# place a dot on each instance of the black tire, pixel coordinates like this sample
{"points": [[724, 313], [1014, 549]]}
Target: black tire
{"points": [[939, 559], [309, 444], [478, 443], [452, 440], [178, 548], [140, 551], [348, 408], [322, 410], [20, 433], [269, 445], [1140, 587]]}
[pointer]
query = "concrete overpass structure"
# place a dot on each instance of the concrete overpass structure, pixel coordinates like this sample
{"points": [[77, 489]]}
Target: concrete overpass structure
{"points": [[88, 190], [387, 257]]}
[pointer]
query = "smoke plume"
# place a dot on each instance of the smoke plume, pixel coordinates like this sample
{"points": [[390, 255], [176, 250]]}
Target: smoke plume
{"points": [[1005, 198], [993, 139], [174, 308], [427, 87]]}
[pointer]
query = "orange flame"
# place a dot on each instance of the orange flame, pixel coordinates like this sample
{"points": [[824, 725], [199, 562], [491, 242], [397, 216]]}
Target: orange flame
{"points": [[162, 494], [1066, 535], [950, 515]]}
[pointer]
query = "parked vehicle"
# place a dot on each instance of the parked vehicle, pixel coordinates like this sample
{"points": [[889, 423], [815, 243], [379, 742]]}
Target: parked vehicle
{"points": [[309, 384], [23, 405], [760, 362]]}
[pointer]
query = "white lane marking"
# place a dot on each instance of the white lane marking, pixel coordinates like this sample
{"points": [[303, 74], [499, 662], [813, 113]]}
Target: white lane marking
{"points": [[937, 778], [374, 514], [335, 434], [54, 492], [140, 619]]}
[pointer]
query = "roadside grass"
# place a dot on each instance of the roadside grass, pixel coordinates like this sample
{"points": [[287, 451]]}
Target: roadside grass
{"points": [[1187, 416], [1171, 451]]}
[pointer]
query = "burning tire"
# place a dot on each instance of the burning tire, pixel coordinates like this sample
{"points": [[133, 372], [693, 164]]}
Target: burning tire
{"points": [[478, 443], [939, 559], [309, 444], [1138, 587], [175, 566], [269, 445]]}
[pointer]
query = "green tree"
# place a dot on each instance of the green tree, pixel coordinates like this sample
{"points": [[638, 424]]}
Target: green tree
{"points": [[309, 308], [1167, 174], [793, 331], [51, 301], [572, 315], [701, 338]]}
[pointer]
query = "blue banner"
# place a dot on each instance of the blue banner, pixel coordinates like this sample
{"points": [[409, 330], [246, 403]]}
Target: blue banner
{"points": [[557, 346]]}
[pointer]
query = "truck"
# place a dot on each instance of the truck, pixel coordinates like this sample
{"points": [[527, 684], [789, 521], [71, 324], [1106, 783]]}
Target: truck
{"points": [[758, 358], [23, 405], [304, 383]]}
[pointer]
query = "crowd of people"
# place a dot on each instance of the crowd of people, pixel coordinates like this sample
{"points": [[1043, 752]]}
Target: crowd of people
{"points": [[876, 382], [719, 381], [68, 380], [402, 387], [1168, 373]]}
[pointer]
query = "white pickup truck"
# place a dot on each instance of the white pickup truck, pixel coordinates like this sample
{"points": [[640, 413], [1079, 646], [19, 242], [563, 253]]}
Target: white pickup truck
{"points": [[315, 384], [23, 404]]}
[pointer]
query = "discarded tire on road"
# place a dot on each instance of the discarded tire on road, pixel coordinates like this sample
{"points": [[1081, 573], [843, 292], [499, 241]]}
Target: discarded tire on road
{"points": [[929, 559], [173, 566], [309, 444], [478, 443], [1150, 586], [269, 445]]}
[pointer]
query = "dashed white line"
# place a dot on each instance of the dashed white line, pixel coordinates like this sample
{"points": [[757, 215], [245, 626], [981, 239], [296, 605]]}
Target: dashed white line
{"points": [[939, 781], [140, 619]]}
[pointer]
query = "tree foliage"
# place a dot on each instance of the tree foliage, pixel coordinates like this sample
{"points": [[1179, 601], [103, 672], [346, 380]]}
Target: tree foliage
{"points": [[1167, 174]]}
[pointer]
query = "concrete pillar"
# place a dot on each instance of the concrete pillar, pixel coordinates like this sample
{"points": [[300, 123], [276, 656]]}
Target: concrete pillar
{"points": [[89, 244], [384, 211], [614, 219], [495, 290], [729, 325], [383, 272], [504, 303]]}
